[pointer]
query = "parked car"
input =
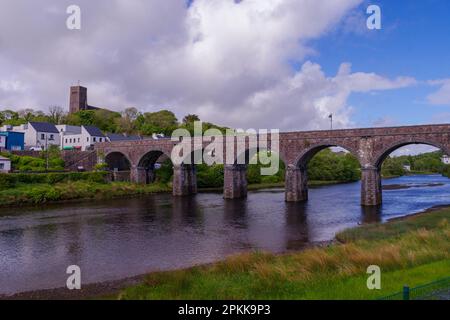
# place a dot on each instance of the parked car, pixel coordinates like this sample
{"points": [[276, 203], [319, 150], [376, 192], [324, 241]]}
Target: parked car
{"points": [[36, 148]]}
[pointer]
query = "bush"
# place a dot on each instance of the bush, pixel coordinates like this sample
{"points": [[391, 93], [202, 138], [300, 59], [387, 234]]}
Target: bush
{"points": [[210, 176], [101, 166], [6, 181], [9, 180], [27, 163], [165, 173]]}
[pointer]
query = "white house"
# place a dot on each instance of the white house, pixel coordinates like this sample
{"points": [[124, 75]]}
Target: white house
{"points": [[445, 159], [80, 138], [37, 134], [5, 165]]}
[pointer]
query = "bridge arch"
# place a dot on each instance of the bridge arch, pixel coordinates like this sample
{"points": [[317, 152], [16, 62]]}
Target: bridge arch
{"points": [[296, 177], [235, 174], [119, 164], [147, 165], [371, 179], [245, 156], [118, 161], [308, 153], [387, 150]]}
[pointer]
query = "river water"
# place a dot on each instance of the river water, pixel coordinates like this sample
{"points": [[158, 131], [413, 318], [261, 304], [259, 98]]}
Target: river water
{"points": [[120, 238]]}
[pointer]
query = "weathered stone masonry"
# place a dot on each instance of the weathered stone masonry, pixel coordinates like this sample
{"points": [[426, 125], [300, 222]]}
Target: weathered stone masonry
{"points": [[370, 146]]}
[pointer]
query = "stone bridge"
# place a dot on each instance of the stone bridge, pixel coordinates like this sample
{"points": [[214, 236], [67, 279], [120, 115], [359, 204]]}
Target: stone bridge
{"points": [[370, 146]]}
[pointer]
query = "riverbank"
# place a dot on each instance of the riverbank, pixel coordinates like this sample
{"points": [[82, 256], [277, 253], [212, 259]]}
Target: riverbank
{"points": [[40, 193], [24, 194], [412, 250]]}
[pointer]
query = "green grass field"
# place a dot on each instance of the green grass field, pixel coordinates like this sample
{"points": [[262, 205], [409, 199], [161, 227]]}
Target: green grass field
{"points": [[411, 251], [26, 194]]}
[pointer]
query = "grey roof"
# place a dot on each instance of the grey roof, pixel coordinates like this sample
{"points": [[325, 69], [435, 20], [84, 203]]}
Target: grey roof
{"points": [[70, 130], [121, 137], [94, 131], [44, 127]]}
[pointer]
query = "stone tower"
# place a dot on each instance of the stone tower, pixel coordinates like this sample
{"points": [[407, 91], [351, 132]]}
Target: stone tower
{"points": [[78, 99]]}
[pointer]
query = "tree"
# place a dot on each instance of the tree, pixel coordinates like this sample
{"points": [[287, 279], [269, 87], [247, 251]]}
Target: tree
{"points": [[127, 122], [163, 121], [190, 118], [130, 113], [26, 114], [56, 114], [103, 119]]}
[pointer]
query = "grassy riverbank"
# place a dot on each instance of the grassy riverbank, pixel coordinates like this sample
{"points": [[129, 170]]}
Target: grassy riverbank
{"points": [[38, 193], [28, 194], [411, 251]]}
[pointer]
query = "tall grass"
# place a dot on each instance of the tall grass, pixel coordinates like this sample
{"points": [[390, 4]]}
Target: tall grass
{"points": [[338, 271]]}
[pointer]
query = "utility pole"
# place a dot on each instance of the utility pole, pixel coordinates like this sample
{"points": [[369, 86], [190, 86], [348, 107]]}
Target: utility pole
{"points": [[46, 151], [331, 121]]}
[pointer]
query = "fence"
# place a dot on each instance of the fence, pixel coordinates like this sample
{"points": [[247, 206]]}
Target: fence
{"points": [[436, 290]]}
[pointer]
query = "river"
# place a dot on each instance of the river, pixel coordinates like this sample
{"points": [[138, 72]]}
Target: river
{"points": [[120, 238]]}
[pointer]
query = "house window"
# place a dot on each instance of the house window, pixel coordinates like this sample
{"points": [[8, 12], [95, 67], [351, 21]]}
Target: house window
{"points": [[95, 139], [2, 166], [100, 139], [52, 137], [78, 139], [66, 140], [42, 136], [87, 139]]}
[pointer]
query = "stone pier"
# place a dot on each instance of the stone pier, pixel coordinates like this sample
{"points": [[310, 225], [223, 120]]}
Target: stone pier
{"points": [[184, 180], [371, 186], [138, 175], [235, 181], [296, 184]]}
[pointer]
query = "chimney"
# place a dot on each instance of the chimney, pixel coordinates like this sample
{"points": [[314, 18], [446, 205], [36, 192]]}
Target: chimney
{"points": [[78, 99]]}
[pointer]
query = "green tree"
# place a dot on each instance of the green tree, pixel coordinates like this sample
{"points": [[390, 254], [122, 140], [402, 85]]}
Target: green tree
{"points": [[190, 118], [163, 121]]}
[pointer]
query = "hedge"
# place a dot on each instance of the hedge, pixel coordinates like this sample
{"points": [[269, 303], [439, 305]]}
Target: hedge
{"points": [[9, 180]]}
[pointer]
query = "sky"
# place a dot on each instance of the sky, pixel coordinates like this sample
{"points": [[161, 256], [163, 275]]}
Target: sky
{"points": [[284, 64]]}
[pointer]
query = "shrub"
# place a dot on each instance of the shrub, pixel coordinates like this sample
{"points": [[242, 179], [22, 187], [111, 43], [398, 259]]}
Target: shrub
{"points": [[210, 176], [9, 180], [6, 181], [101, 166], [164, 174]]}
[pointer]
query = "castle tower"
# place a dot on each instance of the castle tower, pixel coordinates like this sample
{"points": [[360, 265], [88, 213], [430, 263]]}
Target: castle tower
{"points": [[78, 99]]}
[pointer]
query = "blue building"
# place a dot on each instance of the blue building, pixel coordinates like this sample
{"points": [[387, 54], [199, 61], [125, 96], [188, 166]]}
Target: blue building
{"points": [[11, 140]]}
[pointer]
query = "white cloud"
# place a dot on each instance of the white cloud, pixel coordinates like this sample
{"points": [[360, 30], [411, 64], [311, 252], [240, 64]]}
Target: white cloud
{"points": [[413, 149], [228, 61], [442, 95]]}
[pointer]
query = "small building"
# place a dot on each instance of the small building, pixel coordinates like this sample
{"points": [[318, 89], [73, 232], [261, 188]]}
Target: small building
{"points": [[445, 159], [37, 134], [13, 141], [5, 165], [79, 137], [407, 167]]}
